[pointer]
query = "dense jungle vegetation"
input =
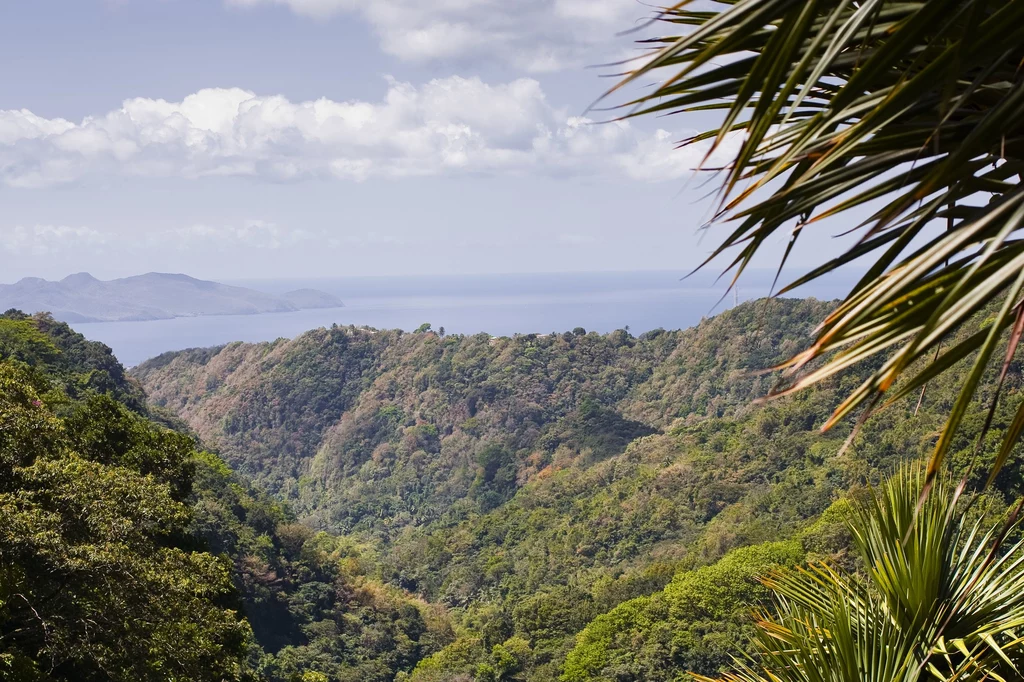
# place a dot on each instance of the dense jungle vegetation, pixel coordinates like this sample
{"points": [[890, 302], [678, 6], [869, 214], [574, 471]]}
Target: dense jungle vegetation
{"points": [[385, 505], [568, 506], [127, 552], [360, 504]]}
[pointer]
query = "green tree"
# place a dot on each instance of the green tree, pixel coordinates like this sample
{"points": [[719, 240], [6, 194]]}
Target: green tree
{"points": [[941, 597], [695, 624], [97, 580], [20, 340], [127, 554], [911, 110]]}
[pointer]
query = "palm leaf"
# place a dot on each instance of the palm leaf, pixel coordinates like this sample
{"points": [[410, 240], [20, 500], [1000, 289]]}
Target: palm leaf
{"points": [[914, 107], [940, 598]]}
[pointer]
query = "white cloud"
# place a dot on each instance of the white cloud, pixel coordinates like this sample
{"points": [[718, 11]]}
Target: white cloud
{"points": [[443, 127], [368, 239], [538, 35], [253, 234], [657, 156], [43, 240]]}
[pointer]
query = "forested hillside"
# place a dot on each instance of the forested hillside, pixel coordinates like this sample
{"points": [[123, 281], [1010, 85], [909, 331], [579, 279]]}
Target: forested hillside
{"points": [[127, 553], [409, 506], [374, 430], [566, 499]]}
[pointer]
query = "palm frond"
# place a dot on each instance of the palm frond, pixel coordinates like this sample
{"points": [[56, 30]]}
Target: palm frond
{"points": [[915, 108], [941, 598]]}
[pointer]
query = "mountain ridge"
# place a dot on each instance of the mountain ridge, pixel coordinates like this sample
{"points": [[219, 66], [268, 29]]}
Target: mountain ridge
{"points": [[568, 499], [334, 406], [80, 297]]}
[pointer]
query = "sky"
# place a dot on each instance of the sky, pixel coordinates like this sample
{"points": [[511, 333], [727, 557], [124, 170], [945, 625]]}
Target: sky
{"points": [[313, 138]]}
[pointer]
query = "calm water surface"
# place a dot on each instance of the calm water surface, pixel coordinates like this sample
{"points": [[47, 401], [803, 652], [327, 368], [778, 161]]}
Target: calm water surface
{"points": [[495, 304]]}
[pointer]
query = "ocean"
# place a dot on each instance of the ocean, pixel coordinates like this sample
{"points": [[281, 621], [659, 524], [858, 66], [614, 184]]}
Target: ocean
{"points": [[464, 304]]}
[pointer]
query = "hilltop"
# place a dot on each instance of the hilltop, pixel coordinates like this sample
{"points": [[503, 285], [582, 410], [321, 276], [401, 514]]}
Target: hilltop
{"points": [[585, 506], [565, 497], [411, 506]]}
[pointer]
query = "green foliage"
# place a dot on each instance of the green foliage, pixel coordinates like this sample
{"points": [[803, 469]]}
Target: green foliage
{"points": [[105, 515], [546, 617], [939, 596], [595, 430], [333, 420], [22, 341], [525, 486], [907, 109], [694, 624], [495, 480], [310, 597], [56, 356], [105, 431], [94, 583]]}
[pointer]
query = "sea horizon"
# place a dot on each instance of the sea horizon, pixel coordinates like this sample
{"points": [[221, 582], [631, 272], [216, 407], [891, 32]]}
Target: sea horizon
{"points": [[500, 305]]}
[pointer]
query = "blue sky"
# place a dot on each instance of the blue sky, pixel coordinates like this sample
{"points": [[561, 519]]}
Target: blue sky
{"points": [[284, 138]]}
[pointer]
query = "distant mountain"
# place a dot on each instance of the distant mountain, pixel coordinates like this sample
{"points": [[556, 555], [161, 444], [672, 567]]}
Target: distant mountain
{"points": [[153, 296]]}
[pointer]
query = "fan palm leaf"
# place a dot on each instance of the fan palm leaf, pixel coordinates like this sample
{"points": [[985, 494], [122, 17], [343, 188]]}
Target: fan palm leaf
{"points": [[911, 110], [940, 598]]}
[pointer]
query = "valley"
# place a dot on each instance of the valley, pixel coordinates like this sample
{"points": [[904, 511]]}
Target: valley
{"points": [[387, 505], [703, 367], [536, 488]]}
